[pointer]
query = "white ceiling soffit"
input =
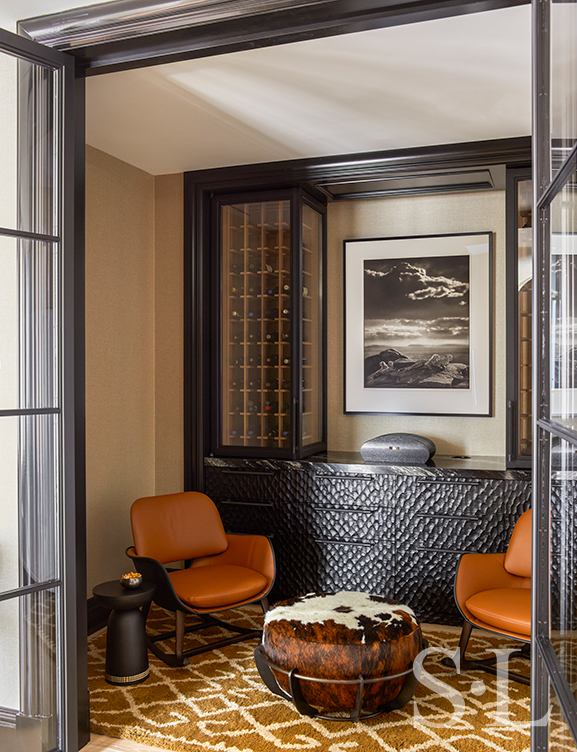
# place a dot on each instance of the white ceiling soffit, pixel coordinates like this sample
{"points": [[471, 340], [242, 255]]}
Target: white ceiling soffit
{"points": [[458, 79]]}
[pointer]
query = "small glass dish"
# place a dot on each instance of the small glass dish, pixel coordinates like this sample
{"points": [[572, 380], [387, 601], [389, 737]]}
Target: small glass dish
{"points": [[131, 580]]}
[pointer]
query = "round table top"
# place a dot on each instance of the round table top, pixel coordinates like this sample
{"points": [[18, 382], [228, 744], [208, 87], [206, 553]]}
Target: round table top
{"points": [[113, 595]]}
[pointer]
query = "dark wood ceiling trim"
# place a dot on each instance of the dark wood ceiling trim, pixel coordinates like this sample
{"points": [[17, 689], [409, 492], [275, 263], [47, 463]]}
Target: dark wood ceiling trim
{"points": [[513, 152], [149, 39]]}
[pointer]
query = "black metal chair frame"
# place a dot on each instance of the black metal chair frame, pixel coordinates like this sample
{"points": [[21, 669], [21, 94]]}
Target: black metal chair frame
{"points": [[166, 597]]}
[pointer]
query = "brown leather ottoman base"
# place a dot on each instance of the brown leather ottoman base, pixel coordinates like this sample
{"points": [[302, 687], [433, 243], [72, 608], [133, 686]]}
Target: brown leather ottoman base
{"points": [[343, 652]]}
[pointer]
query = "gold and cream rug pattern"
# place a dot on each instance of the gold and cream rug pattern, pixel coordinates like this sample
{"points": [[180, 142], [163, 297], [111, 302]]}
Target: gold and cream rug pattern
{"points": [[219, 703]]}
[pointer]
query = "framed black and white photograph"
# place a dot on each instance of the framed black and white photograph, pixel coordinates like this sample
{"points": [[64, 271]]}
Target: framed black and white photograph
{"points": [[418, 325]]}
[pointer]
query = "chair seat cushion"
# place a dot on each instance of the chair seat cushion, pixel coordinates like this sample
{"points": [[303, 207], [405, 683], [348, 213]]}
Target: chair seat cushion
{"points": [[505, 608], [217, 585]]}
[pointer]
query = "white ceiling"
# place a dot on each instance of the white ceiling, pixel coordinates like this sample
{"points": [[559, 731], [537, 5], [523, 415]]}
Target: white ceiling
{"points": [[458, 79]]}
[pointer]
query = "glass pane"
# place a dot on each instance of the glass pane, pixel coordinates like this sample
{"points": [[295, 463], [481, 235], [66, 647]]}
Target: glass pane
{"points": [[256, 324], [524, 309], [560, 737], [564, 555], [29, 656], [29, 500], [312, 428], [29, 323], [563, 80], [28, 156], [563, 307]]}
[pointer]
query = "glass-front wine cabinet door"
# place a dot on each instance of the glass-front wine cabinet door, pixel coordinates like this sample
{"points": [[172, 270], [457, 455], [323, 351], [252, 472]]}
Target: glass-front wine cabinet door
{"points": [[312, 330], [519, 294], [268, 390]]}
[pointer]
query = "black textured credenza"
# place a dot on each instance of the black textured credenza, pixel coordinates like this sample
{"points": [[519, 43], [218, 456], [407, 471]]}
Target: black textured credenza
{"points": [[338, 523]]}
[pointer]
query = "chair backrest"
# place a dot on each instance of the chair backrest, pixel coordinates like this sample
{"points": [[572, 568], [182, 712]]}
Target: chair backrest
{"points": [[518, 556], [177, 526]]}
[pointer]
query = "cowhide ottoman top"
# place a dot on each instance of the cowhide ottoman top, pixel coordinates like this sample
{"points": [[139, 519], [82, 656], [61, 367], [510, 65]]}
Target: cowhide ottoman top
{"points": [[342, 636]]}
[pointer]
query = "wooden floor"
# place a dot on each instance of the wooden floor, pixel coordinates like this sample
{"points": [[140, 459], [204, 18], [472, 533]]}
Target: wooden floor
{"points": [[99, 743]]}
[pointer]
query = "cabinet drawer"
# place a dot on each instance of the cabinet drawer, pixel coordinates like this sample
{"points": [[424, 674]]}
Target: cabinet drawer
{"points": [[349, 490], [425, 583], [252, 484], [447, 497], [349, 525], [258, 517], [444, 533], [319, 565]]}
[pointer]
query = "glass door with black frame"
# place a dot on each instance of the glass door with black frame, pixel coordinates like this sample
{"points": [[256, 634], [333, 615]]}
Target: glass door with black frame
{"points": [[38, 688]]}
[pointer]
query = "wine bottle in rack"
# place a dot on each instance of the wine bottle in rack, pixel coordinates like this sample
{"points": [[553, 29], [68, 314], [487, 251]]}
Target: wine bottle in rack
{"points": [[305, 290], [286, 336], [271, 384], [236, 428], [270, 407], [271, 431], [236, 314], [253, 337], [237, 290], [286, 288], [271, 337], [254, 383], [272, 360], [237, 383], [239, 361], [253, 313], [237, 338], [286, 360], [252, 428], [271, 313], [254, 360], [251, 407], [271, 291], [286, 408], [254, 290], [286, 384], [286, 312], [268, 268], [285, 432]]}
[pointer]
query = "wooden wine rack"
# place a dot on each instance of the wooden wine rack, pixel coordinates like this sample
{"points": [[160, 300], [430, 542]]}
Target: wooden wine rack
{"points": [[260, 405]]}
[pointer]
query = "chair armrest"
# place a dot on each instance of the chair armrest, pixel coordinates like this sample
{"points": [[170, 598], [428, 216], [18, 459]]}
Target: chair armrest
{"points": [[153, 571], [252, 551], [479, 572]]}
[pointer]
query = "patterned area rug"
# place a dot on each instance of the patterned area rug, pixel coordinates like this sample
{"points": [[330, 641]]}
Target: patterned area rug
{"points": [[219, 703]]}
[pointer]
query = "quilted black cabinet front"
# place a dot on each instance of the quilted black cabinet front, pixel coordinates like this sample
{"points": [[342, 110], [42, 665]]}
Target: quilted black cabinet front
{"points": [[398, 533], [339, 528], [438, 521]]}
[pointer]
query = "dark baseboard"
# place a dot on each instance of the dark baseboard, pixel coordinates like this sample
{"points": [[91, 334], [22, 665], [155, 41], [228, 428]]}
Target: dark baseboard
{"points": [[97, 615]]}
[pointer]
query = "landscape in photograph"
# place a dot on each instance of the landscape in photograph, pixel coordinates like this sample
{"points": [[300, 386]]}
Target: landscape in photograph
{"points": [[416, 322]]}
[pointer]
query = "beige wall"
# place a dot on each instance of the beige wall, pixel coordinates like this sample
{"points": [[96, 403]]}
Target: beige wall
{"points": [[416, 215], [133, 350]]}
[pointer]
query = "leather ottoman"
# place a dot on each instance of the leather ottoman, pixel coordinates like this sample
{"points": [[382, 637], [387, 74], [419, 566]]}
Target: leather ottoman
{"points": [[347, 652]]}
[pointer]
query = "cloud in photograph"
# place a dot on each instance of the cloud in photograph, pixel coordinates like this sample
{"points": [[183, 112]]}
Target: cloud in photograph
{"points": [[420, 289], [454, 329]]}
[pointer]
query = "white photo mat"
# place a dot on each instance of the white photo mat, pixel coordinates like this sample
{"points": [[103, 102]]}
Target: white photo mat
{"points": [[475, 400]]}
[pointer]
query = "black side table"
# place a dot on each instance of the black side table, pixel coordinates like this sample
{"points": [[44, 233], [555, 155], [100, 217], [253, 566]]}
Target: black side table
{"points": [[126, 652]]}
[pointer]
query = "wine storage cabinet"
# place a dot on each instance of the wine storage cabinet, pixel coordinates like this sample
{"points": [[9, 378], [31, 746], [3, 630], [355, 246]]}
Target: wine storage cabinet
{"points": [[269, 379]]}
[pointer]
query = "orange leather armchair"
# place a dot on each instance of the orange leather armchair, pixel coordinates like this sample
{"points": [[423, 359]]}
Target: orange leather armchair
{"points": [[493, 592], [221, 571]]}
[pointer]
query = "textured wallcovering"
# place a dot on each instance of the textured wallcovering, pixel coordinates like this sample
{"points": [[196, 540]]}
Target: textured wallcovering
{"points": [[168, 323], [417, 215], [133, 370]]}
